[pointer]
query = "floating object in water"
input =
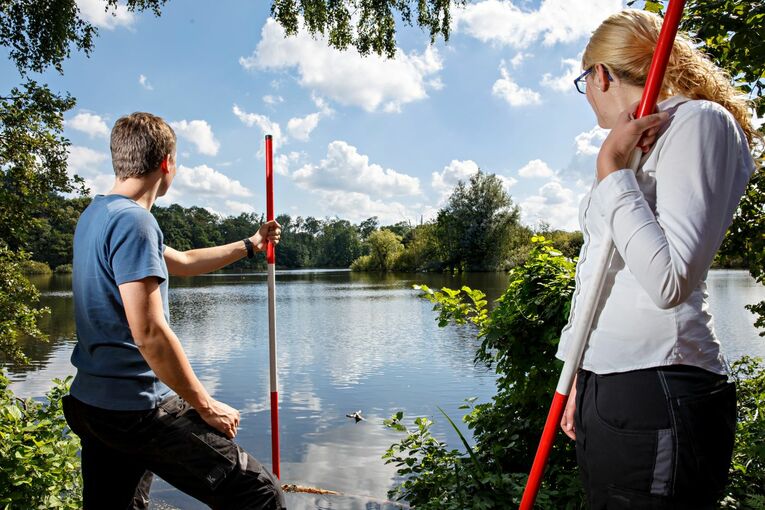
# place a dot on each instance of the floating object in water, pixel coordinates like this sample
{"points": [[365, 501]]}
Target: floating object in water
{"points": [[291, 487], [356, 416]]}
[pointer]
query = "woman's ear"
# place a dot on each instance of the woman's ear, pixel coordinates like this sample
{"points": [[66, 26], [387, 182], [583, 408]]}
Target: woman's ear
{"points": [[601, 77]]}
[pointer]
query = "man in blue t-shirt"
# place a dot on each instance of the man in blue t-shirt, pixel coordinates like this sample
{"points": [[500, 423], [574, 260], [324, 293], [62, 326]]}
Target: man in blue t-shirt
{"points": [[135, 402]]}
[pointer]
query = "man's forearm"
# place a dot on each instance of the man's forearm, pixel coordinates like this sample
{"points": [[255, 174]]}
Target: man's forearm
{"points": [[165, 356], [205, 260]]}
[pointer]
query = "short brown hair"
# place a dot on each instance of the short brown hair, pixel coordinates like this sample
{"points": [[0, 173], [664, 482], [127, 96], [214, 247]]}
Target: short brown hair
{"points": [[139, 143]]}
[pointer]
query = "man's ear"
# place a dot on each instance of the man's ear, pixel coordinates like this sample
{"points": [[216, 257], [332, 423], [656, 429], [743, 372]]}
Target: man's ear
{"points": [[164, 166]]}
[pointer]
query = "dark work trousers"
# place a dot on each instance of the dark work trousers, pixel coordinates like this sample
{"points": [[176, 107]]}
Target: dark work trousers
{"points": [[654, 439], [121, 450]]}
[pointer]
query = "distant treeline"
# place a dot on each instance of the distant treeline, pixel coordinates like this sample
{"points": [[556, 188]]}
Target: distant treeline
{"points": [[477, 230]]}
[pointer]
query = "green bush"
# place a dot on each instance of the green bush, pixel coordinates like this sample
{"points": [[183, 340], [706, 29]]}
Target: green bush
{"points": [[39, 466], [63, 269], [519, 338], [34, 267], [363, 263], [18, 315], [746, 488]]}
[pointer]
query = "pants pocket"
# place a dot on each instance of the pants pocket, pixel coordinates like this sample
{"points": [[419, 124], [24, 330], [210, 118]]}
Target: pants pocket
{"points": [[707, 427]]}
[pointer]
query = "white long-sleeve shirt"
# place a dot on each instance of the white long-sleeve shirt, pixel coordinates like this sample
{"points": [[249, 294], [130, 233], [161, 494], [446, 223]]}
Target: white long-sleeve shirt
{"points": [[667, 221]]}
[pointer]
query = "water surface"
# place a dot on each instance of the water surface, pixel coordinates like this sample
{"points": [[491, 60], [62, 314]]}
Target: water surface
{"points": [[347, 342]]}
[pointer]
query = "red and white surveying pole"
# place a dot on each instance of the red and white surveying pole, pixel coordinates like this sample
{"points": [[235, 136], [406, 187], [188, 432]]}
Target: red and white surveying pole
{"points": [[271, 259], [582, 327]]}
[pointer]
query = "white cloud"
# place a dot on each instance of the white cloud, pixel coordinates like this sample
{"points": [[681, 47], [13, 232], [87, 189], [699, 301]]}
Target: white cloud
{"points": [[208, 188], [518, 59], [535, 168], [371, 82], [445, 180], [266, 125], [356, 206], [565, 82], [90, 165], [344, 169], [300, 128], [91, 124], [505, 88], [95, 11], [84, 161], [284, 162], [205, 181], [200, 134], [144, 81], [553, 204], [456, 171], [589, 142], [237, 208], [507, 182], [271, 100], [504, 23]]}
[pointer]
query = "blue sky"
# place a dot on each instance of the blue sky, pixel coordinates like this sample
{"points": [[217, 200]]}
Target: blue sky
{"points": [[354, 137]]}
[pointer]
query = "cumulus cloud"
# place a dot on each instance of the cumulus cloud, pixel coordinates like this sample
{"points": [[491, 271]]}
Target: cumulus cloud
{"points": [[504, 23], [84, 161], [95, 11], [272, 100], [589, 142], [553, 204], [344, 169], [208, 188], [300, 128], [456, 171], [144, 81], [515, 95], [199, 133], [285, 162], [205, 181], [518, 59], [444, 181], [91, 166], [89, 123], [263, 122], [357, 206], [535, 168], [564, 82], [371, 82]]}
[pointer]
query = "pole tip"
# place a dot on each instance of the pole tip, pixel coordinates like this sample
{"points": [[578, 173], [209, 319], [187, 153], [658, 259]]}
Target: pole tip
{"points": [[269, 137]]}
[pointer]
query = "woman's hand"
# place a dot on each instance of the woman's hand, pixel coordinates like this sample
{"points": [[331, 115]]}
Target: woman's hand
{"points": [[567, 421], [268, 232], [626, 135]]}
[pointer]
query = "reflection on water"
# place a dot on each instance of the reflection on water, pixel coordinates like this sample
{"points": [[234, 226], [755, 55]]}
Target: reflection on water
{"points": [[347, 341]]}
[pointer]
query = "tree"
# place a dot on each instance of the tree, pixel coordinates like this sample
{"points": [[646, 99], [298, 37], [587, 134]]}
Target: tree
{"points": [[474, 227], [33, 151], [339, 244], [367, 25], [384, 245]]}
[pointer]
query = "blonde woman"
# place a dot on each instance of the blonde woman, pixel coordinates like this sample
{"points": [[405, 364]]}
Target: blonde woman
{"points": [[652, 412]]}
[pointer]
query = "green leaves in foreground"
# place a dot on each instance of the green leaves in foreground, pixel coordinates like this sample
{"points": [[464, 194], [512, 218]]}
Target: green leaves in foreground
{"points": [[39, 466], [519, 338]]}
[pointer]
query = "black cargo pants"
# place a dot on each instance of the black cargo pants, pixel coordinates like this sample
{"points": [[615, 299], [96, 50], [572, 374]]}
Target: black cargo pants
{"points": [[121, 450], [655, 439]]}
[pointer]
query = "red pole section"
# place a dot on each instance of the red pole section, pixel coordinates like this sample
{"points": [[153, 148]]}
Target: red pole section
{"points": [[271, 253], [647, 104], [271, 259]]}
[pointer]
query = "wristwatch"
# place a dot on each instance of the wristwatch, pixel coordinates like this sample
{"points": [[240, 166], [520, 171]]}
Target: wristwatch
{"points": [[250, 248]]}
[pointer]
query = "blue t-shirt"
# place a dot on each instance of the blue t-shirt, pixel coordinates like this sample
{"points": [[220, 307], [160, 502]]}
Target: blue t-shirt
{"points": [[116, 241]]}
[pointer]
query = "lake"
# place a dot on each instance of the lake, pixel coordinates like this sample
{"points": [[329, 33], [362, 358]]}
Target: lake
{"points": [[347, 342]]}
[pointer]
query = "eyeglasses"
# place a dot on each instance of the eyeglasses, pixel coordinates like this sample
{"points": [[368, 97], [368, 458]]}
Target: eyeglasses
{"points": [[581, 81]]}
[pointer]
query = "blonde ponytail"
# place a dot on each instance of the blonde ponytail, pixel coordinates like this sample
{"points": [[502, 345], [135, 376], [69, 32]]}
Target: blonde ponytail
{"points": [[625, 43]]}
